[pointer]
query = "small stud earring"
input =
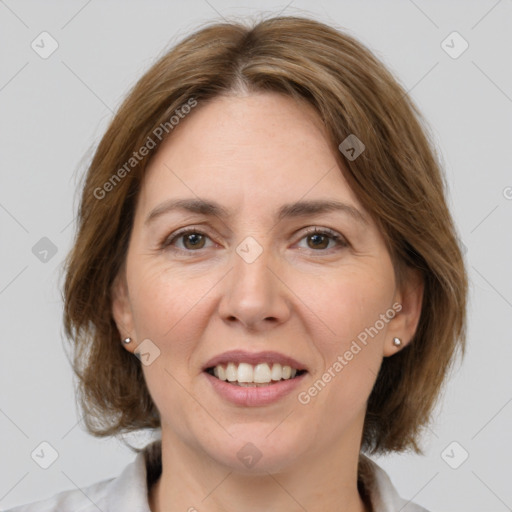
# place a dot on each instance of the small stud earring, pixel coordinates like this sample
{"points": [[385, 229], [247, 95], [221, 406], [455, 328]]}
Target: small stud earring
{"points": [[127, 340], [397, 342]]}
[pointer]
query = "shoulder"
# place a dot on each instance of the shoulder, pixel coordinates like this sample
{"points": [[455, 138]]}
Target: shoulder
{"points": [[87, 499], [128, 491], [384, 496]]}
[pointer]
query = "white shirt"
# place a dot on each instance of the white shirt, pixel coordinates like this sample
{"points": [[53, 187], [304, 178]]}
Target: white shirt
{"points": [[129, 491]]}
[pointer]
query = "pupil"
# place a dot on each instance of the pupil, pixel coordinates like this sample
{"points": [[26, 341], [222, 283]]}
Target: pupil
{"points": [[316, 237], [194, 239]]}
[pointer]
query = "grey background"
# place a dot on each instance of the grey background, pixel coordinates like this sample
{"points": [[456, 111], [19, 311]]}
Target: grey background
{"points": [[54, 110]]}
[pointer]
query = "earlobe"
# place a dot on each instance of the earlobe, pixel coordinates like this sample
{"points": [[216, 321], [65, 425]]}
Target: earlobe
{"points": [[403, 326], [121, 311]]}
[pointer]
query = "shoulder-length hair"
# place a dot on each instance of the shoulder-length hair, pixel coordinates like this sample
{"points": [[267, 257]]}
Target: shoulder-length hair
{"points": [[397, 179]]}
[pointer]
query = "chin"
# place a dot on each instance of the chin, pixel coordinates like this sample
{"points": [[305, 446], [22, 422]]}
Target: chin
{"points": [[258, 449]]}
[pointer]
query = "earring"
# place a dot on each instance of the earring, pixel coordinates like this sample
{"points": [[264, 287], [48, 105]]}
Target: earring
{"points": [[397, 342], [127, 340]]}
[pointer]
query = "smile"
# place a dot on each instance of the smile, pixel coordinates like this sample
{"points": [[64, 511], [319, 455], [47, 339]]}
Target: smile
{"points": [[249, 375]]}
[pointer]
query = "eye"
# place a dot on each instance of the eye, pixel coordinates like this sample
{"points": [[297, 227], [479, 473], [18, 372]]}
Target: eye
{"points": [[192, 239], [320, 239]]}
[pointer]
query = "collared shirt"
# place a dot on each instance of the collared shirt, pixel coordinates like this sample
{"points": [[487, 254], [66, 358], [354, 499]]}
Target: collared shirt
{"points": [[129, 491]]}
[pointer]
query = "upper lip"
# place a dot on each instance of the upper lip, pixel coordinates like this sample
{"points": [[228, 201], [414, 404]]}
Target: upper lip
{"points": [[242, 356]]}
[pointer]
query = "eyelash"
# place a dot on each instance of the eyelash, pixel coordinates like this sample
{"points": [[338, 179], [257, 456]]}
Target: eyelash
{"points": [[166, 243]]}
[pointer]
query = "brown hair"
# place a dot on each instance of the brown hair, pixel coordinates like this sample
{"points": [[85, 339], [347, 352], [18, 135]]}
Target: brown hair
{"points": [[397, 180]]}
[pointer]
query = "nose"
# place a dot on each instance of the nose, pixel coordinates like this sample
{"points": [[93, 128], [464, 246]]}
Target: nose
{"points": [[255, 294]]}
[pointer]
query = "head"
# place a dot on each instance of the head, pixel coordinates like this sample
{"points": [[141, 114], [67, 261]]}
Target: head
{"points": [[255, 120]]}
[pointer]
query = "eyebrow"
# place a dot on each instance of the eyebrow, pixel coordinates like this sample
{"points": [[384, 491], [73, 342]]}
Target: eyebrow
{"points": [[291, 210]]}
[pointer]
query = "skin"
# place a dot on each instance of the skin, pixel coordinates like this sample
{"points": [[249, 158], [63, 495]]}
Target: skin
{"points": [[305, 297]]}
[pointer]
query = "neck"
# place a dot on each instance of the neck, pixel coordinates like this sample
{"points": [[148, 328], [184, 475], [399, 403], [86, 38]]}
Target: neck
{"points": [[192, 481]]}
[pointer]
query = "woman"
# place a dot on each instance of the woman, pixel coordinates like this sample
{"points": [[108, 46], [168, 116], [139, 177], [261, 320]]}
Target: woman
{"points": [[266, 270]]}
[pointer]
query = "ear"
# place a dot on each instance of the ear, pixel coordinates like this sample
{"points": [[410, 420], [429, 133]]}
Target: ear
{"points": [[121, 309], [410, 296]]}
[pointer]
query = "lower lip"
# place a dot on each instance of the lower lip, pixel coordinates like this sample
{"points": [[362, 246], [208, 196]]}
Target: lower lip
{"points": [[254, 396]]}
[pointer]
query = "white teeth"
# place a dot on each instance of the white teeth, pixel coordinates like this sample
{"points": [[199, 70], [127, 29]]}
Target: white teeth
{"points": [[261, 373], [277, 371], [221, 372], [245, 373], [231, 372]]}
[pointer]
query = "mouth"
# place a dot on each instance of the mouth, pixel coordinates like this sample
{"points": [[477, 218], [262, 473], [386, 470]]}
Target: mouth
{"points": [[254, 375]]}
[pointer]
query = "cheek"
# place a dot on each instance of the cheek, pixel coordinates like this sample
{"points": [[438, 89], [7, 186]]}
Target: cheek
{"points": [[167, 310], [170, 309], [162, 309], [352, 304], [162, 300], [352, 352]]}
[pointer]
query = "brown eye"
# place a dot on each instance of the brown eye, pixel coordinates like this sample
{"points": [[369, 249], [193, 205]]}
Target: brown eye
{"points": [[318, 241], [191, 240], [196, 240]]}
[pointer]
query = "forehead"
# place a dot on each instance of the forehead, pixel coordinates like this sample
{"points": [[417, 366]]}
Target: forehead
{"points": [[263, 148]]}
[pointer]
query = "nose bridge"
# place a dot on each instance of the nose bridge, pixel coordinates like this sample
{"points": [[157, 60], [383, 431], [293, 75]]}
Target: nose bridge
{"points": [[253, 292]]}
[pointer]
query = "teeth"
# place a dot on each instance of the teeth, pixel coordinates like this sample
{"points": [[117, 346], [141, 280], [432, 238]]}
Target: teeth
{"points": [[261, 373], [221, 373], [246, 373], [231, 372], [277, 372]]}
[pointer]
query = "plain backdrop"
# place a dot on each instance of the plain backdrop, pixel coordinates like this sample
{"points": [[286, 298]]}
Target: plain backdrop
{"points": [[54, 111]]}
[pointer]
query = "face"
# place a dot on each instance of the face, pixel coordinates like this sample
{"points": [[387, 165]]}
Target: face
{"points": [[198, 284]]}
